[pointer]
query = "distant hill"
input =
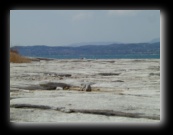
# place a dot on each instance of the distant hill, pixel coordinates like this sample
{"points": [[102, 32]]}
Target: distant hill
{"points": [[90, 43], [155, 40], [110, 49]]}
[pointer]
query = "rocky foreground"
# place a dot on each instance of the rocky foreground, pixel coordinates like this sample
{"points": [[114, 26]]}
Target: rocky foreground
{"points": [[64, 91]]}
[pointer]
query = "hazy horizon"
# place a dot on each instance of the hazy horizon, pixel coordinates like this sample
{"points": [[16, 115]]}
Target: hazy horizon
{"points": [[65, 27]]}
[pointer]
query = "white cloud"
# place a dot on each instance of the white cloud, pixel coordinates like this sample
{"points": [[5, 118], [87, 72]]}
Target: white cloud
{"points": [[122, 12], [82, 16]]}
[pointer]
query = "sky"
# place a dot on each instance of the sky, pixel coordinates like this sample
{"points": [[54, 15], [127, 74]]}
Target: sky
{"points": [[65, 27]]}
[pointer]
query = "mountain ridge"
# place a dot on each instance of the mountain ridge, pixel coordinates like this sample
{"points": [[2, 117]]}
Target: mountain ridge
{"points": [[110, 49]]}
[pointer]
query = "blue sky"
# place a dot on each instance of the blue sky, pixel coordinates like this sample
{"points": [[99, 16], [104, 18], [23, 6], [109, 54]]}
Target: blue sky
{"points": [[64, 27]]}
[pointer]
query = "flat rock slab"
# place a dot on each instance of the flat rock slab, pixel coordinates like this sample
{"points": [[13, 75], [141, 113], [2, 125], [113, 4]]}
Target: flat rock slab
{"points": [[28, 115], [93, 103], [129, 91]]}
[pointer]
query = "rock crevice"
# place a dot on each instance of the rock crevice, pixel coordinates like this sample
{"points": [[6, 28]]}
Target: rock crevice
{"points": [[87, 111]]}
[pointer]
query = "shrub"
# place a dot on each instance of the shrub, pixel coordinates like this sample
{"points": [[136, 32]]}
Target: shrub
{"points": [[13, 50], [15, 57]]}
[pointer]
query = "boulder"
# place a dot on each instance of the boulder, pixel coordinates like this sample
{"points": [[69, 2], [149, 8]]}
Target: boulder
{"points": [[86, 86]]}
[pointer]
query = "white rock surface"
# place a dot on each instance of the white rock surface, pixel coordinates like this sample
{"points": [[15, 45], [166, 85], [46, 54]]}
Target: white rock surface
{"points": [[131, 91]]}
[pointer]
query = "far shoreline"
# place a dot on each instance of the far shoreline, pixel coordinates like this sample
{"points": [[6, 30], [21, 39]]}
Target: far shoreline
{"points": [[38, 59], [85, 58]]}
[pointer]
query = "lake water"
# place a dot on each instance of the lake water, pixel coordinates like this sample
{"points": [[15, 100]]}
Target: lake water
{"points": [[126, 56]]}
